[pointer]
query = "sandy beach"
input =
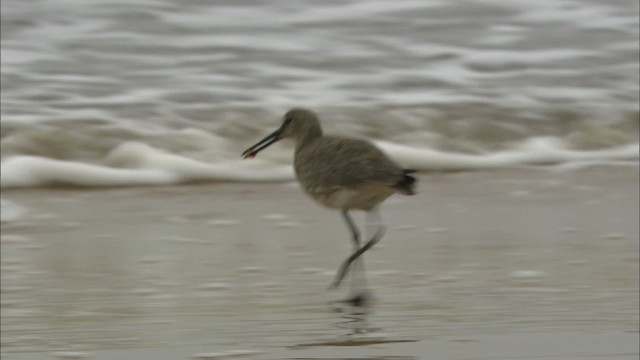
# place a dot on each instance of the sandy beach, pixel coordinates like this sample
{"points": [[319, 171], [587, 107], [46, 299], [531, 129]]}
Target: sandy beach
{"points": [[534, 264]]}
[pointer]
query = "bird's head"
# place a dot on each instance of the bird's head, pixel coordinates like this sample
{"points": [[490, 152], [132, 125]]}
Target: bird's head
{"points": [[299, 124]]}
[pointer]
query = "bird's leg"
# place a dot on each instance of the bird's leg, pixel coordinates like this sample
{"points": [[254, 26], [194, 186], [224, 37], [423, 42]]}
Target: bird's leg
{"points": [[352, 226], [342, 271], [358, 274]]}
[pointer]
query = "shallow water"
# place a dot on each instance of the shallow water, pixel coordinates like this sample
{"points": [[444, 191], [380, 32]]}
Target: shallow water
{"points": [[105, 93], [221, 268]]}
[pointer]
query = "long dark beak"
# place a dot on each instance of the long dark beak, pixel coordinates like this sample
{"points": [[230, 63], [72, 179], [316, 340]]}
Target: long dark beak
{"points": [[270, 139]]}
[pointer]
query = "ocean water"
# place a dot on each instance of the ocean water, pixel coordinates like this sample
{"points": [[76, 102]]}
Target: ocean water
{"points": [[175, 271], [141, 92]]}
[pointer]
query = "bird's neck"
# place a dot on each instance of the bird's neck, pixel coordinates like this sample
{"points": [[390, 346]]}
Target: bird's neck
{"points": [[307, 137]]}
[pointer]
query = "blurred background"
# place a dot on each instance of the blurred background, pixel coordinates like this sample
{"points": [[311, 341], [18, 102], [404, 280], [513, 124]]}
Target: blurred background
{"points": [[109, 94], [120, 84]]}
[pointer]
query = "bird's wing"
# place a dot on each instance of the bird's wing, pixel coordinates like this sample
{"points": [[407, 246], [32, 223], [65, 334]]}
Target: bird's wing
{"points": [[345, 162]]}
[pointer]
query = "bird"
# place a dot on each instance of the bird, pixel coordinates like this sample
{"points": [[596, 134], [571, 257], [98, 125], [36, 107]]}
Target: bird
{"points": [[341, 173]]}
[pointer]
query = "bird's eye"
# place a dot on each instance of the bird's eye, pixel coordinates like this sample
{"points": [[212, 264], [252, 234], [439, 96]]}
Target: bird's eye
{"points": [[288, 121]]}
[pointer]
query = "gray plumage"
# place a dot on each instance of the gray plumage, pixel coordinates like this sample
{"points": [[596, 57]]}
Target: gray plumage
{"points": [[334, 161], [340, 173], [326, 164]]}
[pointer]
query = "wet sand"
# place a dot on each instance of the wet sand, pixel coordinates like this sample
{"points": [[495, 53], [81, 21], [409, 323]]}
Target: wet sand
{"points": [[535, 264]]}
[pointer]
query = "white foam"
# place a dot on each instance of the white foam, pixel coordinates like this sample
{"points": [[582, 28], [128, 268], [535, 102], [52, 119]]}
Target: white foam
{"points": [[527, 274], [224, 222], [14, 239], [135, 163], [27, 171], [215, 286], [288, 224], [276, 216], [536, 151], [145, 166], [615, 236]]}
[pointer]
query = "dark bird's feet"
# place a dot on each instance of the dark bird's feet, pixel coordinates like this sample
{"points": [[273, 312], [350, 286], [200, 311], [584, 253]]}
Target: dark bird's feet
{"points": [[363, 298]]}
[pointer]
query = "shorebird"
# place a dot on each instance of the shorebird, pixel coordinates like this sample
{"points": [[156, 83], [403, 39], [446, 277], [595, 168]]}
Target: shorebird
{"points": [[340, 173]]}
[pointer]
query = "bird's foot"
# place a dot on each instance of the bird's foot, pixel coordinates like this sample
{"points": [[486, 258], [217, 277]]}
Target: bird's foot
{"points": [[362, 298], [339, 276], [334, 285]]}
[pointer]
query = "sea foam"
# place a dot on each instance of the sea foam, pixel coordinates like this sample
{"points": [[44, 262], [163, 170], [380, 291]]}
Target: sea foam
{"points": [[141, 164]]}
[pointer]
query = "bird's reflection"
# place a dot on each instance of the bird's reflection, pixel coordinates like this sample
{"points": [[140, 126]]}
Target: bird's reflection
{"points": [[354, 316], [354, 313]]}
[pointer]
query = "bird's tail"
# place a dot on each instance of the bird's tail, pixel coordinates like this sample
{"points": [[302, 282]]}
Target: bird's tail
{"points": [[406, 184]]}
